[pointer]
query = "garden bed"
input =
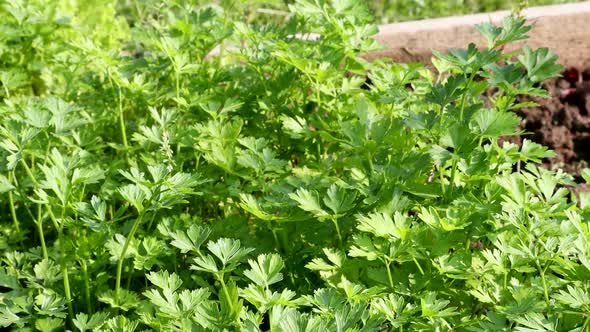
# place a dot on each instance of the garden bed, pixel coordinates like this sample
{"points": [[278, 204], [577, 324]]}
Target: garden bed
{"points": [[562, 122]]}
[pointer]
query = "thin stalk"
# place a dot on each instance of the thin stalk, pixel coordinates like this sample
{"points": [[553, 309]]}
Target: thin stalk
{"points": [[389, 277], [464, 98], [64, 271], [64, 266], [29, 173], [544, 283], [130, 276], [124, 251], [61, 241], [15, 218], [39, 219], [335, 221], [86, 286], [122, 120], [274, 235], [452, 179], [418, 265], [463, 102], [151, 221], [370, 159], [39, 223], [224, 287], [442, 180], [177, 79]]}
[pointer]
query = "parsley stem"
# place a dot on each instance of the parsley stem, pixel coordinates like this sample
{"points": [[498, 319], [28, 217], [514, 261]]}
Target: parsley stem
{"points": [[452, 179], [122, 120], [39, 223], [389, 277], [418, 265], [123, 252], [177, 79], [84, 267], [39, 219], [226, 293], [544, 283], [335, 221], [64, 265], [274, 235], [15, 218]]}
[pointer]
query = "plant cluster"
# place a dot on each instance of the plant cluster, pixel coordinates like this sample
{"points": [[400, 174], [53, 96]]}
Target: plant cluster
{"points": [[282, 184]]}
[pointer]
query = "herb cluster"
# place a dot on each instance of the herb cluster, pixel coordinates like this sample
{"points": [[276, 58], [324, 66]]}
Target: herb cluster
{"points": [[172, 166]]}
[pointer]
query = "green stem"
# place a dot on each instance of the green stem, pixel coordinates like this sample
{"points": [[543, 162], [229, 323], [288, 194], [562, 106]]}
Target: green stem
{"points": [[335, 221], [226, 293], [441, 179], [389, 277], [64, 265], [122, 120], [6, 91], [177, 78], [39, 217], [464, 98], [544, 283], [39, 223], [29, 173], [86, 286], [151, 221], [15, 219], [274, 235], [370, 159], [418, 265], [123, 252], [130, 276]]}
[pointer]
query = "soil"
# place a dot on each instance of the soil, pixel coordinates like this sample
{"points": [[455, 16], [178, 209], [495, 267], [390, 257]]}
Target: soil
{"points": [[561, 122]]}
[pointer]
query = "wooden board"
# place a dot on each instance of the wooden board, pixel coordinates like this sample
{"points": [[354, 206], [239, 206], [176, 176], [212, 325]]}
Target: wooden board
{"points": [[565, 29]]}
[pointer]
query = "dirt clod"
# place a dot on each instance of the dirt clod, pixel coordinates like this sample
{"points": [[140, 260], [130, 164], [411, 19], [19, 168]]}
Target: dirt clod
{"points": [[562, 122]]}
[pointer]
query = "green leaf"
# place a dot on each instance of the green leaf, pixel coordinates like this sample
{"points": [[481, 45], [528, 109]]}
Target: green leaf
{"points": [[534, 151], [363, 247], [228, 251], [5, 184], [513, 29], [191, 240], [309, 202], [165, 280], [265, 270], [84, 323], [126, 301], [381, 225], [574, 297], [493, 123], [50, 304], [49, 324], [339, 200], [540, 64]]}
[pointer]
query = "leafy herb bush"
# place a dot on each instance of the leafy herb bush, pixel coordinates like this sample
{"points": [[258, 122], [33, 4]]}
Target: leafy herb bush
{"points": [[148, 184]]}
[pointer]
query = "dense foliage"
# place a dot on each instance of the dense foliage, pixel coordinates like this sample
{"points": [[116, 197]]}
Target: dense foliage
{"points": [[148, 182]]}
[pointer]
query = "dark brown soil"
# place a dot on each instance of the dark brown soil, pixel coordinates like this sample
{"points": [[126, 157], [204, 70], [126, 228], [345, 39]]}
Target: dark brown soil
{"points": [[562, 122]]}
